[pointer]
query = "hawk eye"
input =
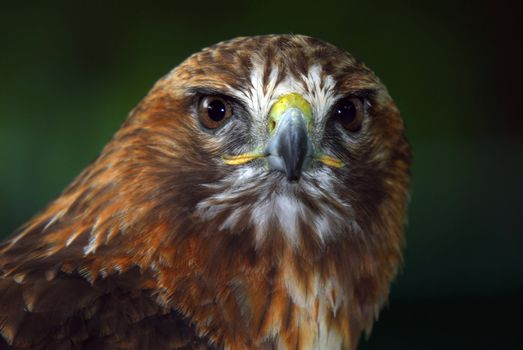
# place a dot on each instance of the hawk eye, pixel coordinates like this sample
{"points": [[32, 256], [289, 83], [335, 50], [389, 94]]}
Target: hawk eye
{"points": [[213, 111], [349, 113]]}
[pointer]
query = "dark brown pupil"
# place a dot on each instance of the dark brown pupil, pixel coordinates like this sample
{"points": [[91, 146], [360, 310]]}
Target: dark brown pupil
{"points": [[216, 110], [346, 112]]}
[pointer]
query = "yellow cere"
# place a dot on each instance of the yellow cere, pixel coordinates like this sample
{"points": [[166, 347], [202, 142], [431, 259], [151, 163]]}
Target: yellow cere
{"points": [[292, 100]]}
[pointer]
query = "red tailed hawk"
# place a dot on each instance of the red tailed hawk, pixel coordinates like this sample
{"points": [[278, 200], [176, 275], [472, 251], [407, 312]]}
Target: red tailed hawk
{"points": [[254, 199]]}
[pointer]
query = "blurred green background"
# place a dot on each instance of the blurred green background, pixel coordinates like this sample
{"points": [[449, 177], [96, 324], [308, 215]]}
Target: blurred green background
{"points": [[70, 73]]}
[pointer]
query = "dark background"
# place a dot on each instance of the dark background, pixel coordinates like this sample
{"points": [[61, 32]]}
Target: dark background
{"points": [[69, 75]]}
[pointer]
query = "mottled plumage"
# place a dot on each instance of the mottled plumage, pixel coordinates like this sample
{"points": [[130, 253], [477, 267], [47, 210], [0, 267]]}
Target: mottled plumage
{"points": [[191, 231]]}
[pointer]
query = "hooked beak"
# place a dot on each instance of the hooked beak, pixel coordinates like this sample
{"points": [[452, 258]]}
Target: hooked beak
{"points": [[290, 146]]}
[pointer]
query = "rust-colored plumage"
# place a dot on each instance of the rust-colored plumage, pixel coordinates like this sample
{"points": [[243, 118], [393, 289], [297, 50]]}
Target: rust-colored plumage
{"points": [[202, 226]]}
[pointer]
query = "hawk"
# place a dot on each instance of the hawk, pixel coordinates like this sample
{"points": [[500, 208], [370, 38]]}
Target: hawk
{"points": [[254, 199]]}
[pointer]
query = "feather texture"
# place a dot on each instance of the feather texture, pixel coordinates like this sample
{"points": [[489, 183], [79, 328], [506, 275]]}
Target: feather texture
{"points": [[161, 245]]}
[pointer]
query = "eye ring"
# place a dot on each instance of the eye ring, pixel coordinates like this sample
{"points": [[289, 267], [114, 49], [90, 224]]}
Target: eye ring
{"points": [[349, 112], [213, 111]]}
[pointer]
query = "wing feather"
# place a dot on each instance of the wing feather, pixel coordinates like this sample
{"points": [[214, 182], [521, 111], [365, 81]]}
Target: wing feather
{"points": [[68, 312]]}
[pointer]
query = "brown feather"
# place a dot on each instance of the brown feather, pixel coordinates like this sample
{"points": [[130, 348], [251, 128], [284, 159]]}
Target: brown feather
{"points": [[144, 251]]}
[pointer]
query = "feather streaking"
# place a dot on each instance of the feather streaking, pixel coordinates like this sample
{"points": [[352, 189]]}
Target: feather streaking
{"points": [[159, 244]]}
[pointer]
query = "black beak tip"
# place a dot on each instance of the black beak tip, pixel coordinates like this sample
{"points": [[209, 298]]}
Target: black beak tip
{"points": [[293, 177]]}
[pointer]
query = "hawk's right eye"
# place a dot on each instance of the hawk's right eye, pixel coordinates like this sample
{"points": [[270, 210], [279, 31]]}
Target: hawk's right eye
{"points": [[213, 111]]}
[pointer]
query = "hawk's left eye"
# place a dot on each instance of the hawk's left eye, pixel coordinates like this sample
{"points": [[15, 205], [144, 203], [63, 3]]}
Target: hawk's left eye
{"points": [[213, 111], [349, 112]]}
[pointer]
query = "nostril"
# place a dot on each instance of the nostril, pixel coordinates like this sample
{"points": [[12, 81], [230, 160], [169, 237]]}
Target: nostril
{"points": [[272, 125]]}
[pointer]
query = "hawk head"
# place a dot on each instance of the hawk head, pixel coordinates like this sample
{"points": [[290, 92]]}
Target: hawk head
{"points": [[261, 185], [291, 133]]}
